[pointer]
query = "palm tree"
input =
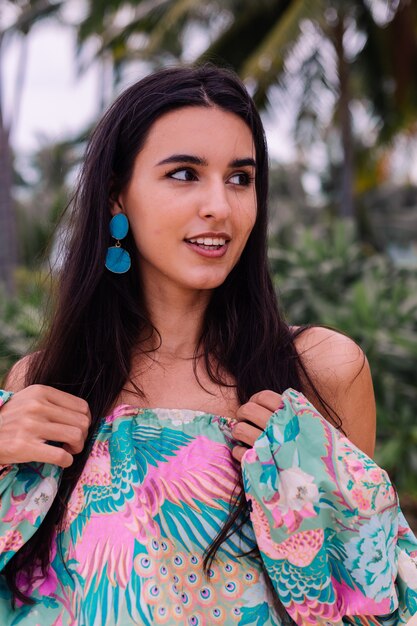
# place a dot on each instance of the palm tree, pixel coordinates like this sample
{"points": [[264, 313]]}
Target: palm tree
{"points": [[259, 40], [24, 15]]}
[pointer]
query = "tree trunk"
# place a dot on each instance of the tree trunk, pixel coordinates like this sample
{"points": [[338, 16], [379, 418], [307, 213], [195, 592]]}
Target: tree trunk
{"points": [[8, 228], [346, 195], [8, 242]]}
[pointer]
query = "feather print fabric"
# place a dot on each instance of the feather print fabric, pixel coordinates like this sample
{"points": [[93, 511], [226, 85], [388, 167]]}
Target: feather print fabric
{"points": [[156, 491]]}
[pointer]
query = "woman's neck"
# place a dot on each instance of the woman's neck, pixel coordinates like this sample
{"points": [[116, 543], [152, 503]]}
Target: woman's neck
{"points": [[178, 317], [171, 374]]}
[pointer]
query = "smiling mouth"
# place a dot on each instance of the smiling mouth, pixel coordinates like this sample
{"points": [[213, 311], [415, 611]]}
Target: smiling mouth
{"points": [[208, 243]]}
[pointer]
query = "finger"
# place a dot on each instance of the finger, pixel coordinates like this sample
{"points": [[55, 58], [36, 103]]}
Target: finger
{"points": [[58, 415], [254, 413], [268, 399], [73, 437], [238, 452], [62, 399], [245, 433], [51, 454], [44, 453], [35, 407]]}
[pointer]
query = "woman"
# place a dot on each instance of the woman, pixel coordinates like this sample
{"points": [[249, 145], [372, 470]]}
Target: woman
{"points": [[135, 518]]}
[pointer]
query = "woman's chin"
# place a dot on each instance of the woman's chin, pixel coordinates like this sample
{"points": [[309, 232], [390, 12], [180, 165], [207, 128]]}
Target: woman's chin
{"points": [[205, 280], [208, 284]]}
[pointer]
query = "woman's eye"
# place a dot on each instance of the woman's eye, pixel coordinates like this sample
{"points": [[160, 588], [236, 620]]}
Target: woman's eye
{"points": [[184, 174], [241, 178]]}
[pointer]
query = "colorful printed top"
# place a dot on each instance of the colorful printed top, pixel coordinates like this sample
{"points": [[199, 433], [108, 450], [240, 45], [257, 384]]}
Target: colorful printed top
{"points": [[155, 492]]}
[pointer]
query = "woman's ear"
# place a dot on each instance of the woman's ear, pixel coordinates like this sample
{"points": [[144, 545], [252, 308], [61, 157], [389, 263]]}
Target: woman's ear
{"points": [[116, 206]]}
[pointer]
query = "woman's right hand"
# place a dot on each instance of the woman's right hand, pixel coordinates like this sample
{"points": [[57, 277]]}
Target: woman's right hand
{"points": [[37, 415]]}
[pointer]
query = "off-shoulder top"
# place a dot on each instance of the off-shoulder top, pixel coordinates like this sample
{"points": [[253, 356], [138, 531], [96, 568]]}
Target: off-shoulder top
{"points": [[154, 494]]}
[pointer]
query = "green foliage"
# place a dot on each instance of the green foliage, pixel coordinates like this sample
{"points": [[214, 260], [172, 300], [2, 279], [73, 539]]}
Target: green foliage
{"points": [[21, 317], [39, 211], [325, 276]]}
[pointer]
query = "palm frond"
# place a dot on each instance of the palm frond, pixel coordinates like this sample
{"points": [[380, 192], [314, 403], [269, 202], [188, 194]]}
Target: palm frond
{"points": [[266, 64], [175, 14], [32, 13], [244, 34]]}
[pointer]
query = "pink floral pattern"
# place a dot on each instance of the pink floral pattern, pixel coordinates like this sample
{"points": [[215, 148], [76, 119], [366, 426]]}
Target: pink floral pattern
{"points": [[327, 523], [155, 492]]}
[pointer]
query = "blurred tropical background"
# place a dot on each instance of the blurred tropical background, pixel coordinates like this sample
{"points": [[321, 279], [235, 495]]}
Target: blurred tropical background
{"points": [[336, 82]]}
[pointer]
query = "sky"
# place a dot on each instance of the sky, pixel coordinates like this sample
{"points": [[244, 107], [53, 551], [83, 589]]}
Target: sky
{"points": [[58, 101]]}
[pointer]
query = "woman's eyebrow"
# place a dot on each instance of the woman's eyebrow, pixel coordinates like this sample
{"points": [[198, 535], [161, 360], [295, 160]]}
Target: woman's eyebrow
{"points": [[243, 162], [195, 160], [183, 158]]}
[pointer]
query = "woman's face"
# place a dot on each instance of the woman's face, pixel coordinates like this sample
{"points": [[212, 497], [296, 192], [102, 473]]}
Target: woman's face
{"points": [[191, 200]]}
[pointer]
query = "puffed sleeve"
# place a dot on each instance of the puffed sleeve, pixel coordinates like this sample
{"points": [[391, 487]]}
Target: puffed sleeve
{"points": [[327, 522], [27, 491]]}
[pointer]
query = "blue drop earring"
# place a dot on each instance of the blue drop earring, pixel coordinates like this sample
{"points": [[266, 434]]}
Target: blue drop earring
{"points": [[117, 258]]}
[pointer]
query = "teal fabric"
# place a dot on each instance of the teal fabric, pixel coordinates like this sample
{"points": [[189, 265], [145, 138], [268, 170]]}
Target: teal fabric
{"points": [[155, 492], [5, 396], [327, 522]]}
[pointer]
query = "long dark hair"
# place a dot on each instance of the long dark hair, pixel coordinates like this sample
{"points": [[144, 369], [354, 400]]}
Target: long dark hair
{"points": [[100, 316]]}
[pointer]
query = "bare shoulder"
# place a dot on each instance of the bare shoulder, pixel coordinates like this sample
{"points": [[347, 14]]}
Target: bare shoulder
{"points": [[15, 379], [324, 349], [340, 372]]}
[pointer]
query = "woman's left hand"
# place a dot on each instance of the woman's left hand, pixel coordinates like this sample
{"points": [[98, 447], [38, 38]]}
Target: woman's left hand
{"points": [[252, 418]]}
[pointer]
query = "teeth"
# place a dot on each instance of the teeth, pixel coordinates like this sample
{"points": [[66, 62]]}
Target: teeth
{"points": [[209, 241]]}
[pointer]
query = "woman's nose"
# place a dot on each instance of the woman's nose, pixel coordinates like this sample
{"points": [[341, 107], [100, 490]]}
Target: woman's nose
{"points": [[216, 201]]}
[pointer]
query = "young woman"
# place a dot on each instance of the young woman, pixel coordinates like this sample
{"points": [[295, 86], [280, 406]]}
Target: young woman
{"points": [[235, 501]]}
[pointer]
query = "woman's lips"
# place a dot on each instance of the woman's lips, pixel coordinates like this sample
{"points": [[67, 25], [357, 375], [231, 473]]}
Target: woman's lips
{"points": [[212, 252]]}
